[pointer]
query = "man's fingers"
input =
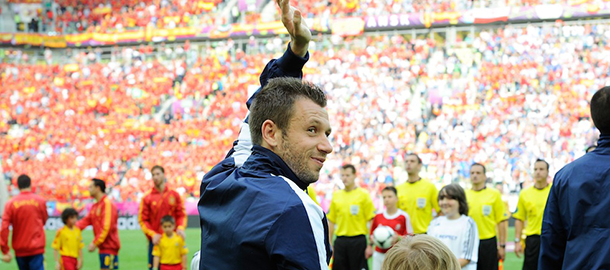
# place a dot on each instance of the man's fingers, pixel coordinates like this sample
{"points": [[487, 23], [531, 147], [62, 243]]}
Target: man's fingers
{"points": [[285, 7], [296, 18]]}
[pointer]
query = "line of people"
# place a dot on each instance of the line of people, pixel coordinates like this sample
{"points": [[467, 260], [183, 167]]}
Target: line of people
{"points": [[471, 222], [162, 218]]}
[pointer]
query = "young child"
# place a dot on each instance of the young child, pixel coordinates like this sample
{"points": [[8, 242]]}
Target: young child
{"points": [[420, 252], [391, 217], [170, 253], [69, 242]]}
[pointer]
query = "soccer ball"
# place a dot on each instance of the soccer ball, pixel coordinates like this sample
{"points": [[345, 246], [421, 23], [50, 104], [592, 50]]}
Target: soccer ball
{"points": [[383, 237]]}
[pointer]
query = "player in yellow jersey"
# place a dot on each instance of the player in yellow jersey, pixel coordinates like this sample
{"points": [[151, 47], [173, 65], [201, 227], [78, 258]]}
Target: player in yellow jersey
{"points": [[170, 253], [312, 194], [417, 196], [530, 208], [68, 243], [487, 210], [352, 211]]}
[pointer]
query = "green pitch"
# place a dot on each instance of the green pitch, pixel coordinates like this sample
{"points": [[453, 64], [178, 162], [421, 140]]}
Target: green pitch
{"points": [[133, 253], [134, 247]]}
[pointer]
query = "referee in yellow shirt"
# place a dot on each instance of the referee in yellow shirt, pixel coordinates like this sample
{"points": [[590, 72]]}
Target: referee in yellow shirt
{"points": [[530, 208], [352, 210], [417, 197], [487, 211]]}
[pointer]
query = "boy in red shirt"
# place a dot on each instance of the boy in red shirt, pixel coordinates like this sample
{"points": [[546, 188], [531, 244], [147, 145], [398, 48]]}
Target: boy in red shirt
{"points": [[27, 212], [392, 217], [103, 216]]}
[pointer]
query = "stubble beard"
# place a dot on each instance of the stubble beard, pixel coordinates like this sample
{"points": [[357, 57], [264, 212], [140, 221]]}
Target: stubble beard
{"points": [[297, 162]]}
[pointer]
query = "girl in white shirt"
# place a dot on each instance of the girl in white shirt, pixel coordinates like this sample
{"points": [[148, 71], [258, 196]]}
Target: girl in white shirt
{"points": [[455, 228]]}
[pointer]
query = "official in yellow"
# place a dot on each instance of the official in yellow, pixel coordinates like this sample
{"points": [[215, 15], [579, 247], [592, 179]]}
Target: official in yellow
{"points": [[170, 253], [417, 196], [68, 243], [352, 210], [312, 194], [487, 211], [530, 208]]}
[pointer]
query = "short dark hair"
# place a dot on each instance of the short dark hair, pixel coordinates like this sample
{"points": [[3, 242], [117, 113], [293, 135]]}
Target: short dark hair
{"points": [[542, 160], [590, 148], [349, 166], [24, 181], [275, 102], [390, 188], [99, 183], [157, 167], [169, 219], [456, 192], [68, 213], [600, 110], [415, 155], [479, 164]]}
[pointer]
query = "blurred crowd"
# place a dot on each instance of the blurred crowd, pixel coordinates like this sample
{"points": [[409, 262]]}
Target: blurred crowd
{"points": [[502, 97], [104, 16]]}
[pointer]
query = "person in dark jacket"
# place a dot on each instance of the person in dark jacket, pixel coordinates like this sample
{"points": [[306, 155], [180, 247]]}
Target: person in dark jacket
{"points": [[575, 225], [254, 210]]}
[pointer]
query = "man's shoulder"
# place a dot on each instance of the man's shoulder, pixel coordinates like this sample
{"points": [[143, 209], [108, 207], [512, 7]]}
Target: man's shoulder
{"points": [[363, 192], [494, 192], [148, 194], [174, 193]]}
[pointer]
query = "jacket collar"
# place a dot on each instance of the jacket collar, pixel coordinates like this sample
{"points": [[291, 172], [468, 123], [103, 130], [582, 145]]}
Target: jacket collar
{"points": [[269, 162], [604, 141]]}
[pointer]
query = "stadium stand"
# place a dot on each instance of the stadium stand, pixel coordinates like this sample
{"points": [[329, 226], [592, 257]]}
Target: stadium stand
{"points": [[502, 97]]}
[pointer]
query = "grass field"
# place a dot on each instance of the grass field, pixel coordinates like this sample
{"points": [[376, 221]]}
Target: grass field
{"points": [[134, 247]]}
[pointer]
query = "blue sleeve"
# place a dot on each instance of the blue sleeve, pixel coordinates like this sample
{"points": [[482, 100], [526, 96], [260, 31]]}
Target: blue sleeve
{"points": [[289, 65], [554, 236], [291, 244]]}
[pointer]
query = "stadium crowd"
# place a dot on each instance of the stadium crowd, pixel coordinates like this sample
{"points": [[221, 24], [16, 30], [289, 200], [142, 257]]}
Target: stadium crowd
{"points": [[102, 16], [502, 98]]}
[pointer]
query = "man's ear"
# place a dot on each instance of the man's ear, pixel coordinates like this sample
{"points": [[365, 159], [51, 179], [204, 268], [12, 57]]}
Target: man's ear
{"points": [[271, 134]]}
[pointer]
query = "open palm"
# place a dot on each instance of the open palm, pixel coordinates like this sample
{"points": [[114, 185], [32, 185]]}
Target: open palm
{"points": [[294, 23]]}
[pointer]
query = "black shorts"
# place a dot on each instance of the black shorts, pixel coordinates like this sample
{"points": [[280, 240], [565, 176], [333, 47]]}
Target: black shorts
{"points": [[349, 253], [488, 254], [532, 252]]}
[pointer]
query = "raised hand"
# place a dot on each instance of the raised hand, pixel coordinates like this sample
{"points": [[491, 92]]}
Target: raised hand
{"points": [[300, 34]]}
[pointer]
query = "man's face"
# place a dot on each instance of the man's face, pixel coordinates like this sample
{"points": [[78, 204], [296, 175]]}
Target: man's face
{"points": [[158, 177], [348, 177], [93, 190], [477, 176], [412, 165], [540, 171], [304, 144]]}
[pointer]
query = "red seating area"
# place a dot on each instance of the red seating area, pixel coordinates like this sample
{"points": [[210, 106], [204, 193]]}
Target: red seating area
{"points": [[502, 97]]}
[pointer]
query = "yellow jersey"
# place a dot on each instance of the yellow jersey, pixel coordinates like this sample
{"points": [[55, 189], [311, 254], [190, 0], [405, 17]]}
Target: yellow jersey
{"points": [[312, 194], [486, 208], [68, 241], [418, 199], [351, 210], [170, 249], [530, 208]]}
